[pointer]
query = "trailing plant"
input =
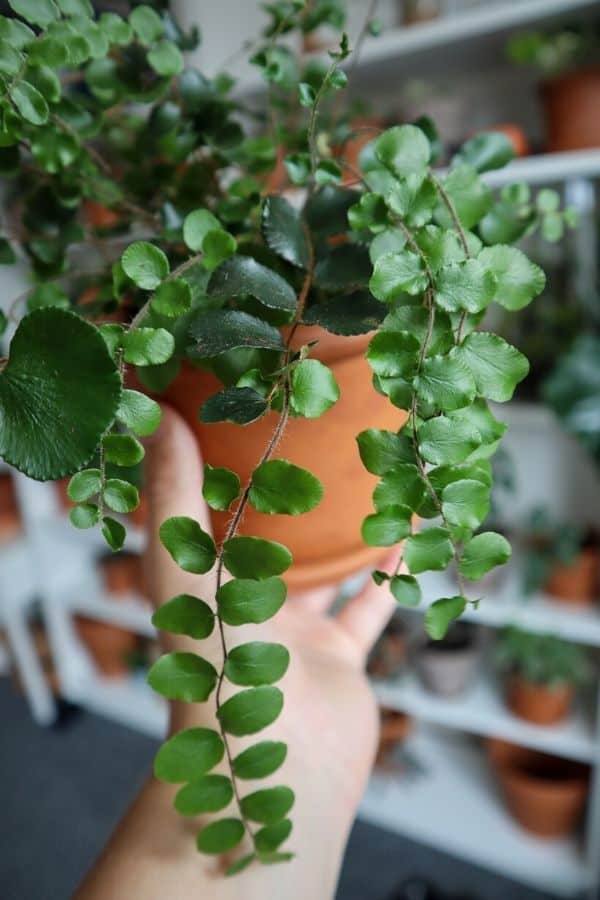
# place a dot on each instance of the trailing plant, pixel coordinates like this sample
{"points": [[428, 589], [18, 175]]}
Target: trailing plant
{"points": [[555, 50], [541, 658], [112, 141]]}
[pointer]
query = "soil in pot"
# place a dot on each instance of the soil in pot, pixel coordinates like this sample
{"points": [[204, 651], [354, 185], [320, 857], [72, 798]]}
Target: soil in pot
{"points": [[394, 729], [539, 703], [446, 666], [545, 794], [571, 102], [111, 648], [326, 543], [576, 582], [389, 653]]}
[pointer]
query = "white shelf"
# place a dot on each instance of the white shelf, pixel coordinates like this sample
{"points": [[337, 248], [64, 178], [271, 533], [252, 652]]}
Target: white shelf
{"points": [[548, 168], [128, 700], [481, 710], [454, 805], [127, 611], [509, 606]]}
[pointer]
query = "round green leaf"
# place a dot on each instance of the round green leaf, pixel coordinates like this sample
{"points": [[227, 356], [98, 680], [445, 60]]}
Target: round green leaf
{"points": [[146, 23], [245, 601], [242, 275], [284, 232], [185, 614], [486, 151], [114, 533], [441, 614], [471, 197], [37, 12], [465, 285], [85, 516], [84, 485], [139, 413], [429, 550], [386, 527], [271, 837], [314, 389], [253, 557], [497, 367], [115, 28], [210, 793], [240, 405], [122, 450], [257, 663], [393, 353], [395, 274], [443, 440], [445, 382], [220, 837], [59, 392], [268, 805], [166, 58], [404, 149], [380, 450], [220, 487], [466, 503], [518, 280], [240, 864], [148, 346], [197, 225], [405, 589], [188, 755], [145, 264], [183, 676], [192, 548], [400, 486], [482, 553], [121, 496], [260, 760], [172, 298], [251, 711], [217, 246], [279, 486]]}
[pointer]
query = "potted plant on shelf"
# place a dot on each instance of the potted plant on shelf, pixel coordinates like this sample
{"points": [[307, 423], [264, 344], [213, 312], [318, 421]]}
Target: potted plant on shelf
{"points": [[447, 665], [568, 58], [542, 673], [561, 558], [545, 794], [248, 310], [389, 653]]}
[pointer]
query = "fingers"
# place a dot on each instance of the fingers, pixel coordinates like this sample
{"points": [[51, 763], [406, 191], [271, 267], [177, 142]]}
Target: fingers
{"points": [[173, 478], [365, 616], [318, 600]]}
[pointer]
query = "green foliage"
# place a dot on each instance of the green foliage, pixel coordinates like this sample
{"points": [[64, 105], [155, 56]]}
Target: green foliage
{"points": [[314, 389], [279, 486], [251, 710], [482, 553], [145, 264], [245, 601], [185, 614], [268, 805], [188, 755], [183, 676], [221, 836], [541, 658], [441, 614], [257, 663], [192, 548], [220, 487], [210, 793], [260, 760], [253, 557]]}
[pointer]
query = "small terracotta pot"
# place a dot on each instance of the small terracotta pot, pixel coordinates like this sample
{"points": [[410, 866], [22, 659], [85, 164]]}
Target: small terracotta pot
{"points": [[389, 654], [10, 517], [100, 216], [109, 646], [365, 131], [538, 703], [394, 729], [545, 794], [515, 135], [571, 104], [326, 543], [576, 582], [123, 573], [446, 666]]}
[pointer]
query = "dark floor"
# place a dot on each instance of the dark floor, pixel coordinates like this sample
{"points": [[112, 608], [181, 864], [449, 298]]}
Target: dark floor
{"points": [[63, 789]]}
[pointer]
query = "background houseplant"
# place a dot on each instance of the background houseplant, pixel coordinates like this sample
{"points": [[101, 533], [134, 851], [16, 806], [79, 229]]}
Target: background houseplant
{"points": [[228, 281], [542, 672]]}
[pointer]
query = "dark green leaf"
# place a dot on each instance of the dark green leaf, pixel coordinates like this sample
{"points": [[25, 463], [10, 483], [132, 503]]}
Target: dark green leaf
{"points": [[270, 837], [172, 298], [358, 313], [210, 793], [447, 441], [441, 614], [402, 486], [85, 516], [496, 366], [242, 276], [220, 330], [220, 487], [114, 533], [251, 710], [486, 151], [188, 755], [240, 864], [244, 601], [257, 663], [298, 167], [192, 548], [139, 413], [314, 389], [185, 614], [260, 760], [84, 485], [284, 232], [268, 805], [121, 496], [279, 486], [466, 503], [518, 280], [382, 450], [482, 553], [183, 676], [343, 268], [122, 449], [59, 393], [429, 550], [240, 405], [148, 346], [221, 836], [405, 590], [386, 527], [254, 557], [327, 209]]}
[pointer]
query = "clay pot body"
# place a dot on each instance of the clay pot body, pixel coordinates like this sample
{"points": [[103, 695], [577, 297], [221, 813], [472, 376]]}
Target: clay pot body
{"points": [[394, 729], [538, 703], [446, 666], [571, 104], [123, 574], [326, 543], [545, 794], [10, 517], [389, 653], [108, 645], [576, 582]]}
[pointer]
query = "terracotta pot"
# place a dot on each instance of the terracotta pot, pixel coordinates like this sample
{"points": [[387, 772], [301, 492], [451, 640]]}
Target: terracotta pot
{"points": [[109, 646], [389, 654], [123, 573], [576, 582], [545, 794], [446, 666], [326, 542], [100, 216], [538, 703], [10, 517], [515, 135], [394, 729], [571, 103], [366, 130]]}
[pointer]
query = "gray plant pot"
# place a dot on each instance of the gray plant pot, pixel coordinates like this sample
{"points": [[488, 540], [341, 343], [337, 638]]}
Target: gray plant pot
{"points": [[446, 667]]}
